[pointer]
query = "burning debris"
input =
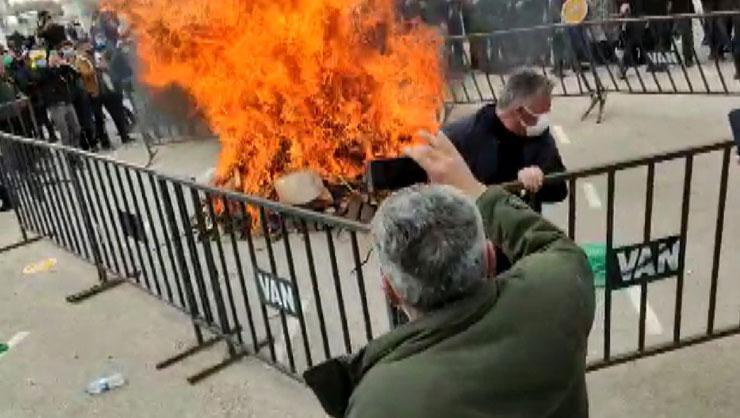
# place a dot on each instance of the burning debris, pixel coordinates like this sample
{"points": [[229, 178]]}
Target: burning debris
{"points": [[290, 85]]}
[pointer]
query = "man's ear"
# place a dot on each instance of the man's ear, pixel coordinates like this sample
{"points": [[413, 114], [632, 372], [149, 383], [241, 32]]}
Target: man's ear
{"points": [[490, 257], [393, 298]]}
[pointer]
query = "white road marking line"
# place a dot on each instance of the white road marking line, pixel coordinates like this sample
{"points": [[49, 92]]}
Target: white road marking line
{"points": [[294, 327], [15, 340], [652, 324], [592, 196], [559, 133]]}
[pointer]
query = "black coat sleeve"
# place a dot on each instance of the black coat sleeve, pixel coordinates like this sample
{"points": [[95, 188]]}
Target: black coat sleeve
{"points": [[459, 133], [552, 191]]}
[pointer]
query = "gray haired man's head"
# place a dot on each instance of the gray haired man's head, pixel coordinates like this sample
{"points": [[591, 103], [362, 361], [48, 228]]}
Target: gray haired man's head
{"points": [[522, 87], [431, 244]]}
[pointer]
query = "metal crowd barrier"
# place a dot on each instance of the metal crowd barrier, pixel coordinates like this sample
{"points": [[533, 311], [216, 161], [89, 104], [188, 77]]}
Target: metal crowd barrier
{"points": [[272, 280], [647, 55], [287, 285], [643, 273]]}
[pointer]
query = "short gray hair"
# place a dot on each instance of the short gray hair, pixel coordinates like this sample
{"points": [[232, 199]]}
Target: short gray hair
{"points": [[523, 85], [430, 243]]}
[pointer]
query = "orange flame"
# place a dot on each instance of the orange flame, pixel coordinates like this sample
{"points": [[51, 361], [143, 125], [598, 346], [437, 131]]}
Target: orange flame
{"points": [[290, 84]]}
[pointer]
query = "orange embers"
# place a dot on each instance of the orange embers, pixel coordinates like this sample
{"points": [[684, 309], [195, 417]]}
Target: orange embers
{"points": [[292, 84]]}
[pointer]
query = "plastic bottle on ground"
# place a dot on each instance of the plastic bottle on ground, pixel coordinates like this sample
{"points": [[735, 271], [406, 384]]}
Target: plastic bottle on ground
{"points": [[104, 384]]}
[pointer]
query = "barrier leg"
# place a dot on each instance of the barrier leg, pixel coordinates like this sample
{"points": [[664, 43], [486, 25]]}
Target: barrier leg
{"points": [[11, 195], [598, 98], [104, 283]]}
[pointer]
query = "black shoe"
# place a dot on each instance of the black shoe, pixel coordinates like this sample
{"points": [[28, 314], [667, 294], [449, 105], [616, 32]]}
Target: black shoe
{"points": [[104, 142]]}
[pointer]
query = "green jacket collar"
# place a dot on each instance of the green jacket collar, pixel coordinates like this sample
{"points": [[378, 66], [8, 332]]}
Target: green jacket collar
{"points": [[334, 381]]}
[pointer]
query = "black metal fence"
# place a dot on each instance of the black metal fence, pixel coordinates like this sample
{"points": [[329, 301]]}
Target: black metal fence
{"points": [[288, 285], [677, 54], [700, 244], [280, 282]]}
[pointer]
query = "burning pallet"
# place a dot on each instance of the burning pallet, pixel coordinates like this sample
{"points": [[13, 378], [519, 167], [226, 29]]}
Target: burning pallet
{"points": [[350, 200], [304, 189]]}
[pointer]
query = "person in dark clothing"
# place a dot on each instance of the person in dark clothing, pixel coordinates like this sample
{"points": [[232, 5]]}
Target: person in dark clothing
{"points": [[684, 28], [640, 39], [122, 75], [53, 34], [719, 29], [112, 98], [734, 117], [29, 84], [511, 141], [8, 93], [55, 80]]}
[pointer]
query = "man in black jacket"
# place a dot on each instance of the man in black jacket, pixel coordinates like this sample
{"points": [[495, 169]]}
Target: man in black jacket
{"points": [[56, 84], [511, 140]]}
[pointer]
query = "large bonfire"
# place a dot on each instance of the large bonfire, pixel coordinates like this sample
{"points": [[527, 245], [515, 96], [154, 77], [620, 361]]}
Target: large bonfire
{"points": [[293, 84]]}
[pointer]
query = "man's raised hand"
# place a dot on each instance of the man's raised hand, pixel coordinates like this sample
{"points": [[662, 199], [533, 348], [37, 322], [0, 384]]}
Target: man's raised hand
{"points": [[444, 164]]}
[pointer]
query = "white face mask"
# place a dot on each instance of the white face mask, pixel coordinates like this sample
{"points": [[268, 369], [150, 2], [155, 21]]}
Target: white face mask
{"points": [[543, 122]]}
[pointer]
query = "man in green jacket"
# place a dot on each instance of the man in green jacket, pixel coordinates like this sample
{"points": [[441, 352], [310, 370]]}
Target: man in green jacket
{"points": [[476, 346]]}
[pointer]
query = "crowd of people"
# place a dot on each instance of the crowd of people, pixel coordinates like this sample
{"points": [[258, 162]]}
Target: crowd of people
{"points": [[597, 44], [71, 78]]}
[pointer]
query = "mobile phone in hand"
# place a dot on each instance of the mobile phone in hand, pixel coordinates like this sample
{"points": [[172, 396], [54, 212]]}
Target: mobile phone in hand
{"points": [[394, 174]]}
